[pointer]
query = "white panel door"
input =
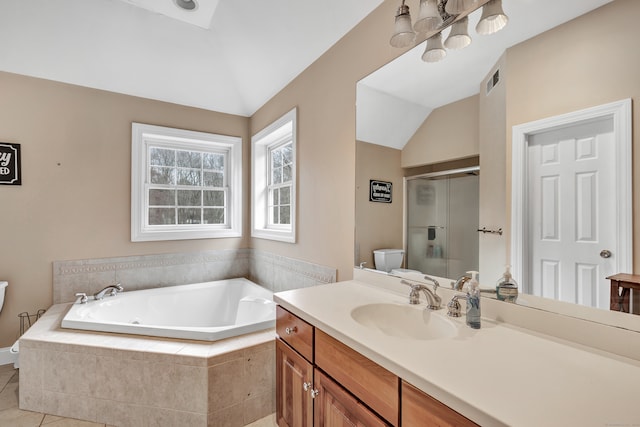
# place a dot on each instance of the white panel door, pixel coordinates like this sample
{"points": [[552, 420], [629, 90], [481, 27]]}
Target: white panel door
{"points": [[571, 199]]}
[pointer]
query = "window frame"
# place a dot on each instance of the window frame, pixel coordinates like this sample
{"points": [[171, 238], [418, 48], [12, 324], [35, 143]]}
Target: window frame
{"points": [[144, 136], [262, 143]]}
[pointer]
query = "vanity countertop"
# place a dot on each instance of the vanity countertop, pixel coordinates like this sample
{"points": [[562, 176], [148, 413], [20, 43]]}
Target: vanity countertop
{"points": [[500, 375]]}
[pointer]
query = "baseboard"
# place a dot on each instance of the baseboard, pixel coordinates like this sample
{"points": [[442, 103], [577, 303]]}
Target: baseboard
{"points": [[6, 357]]}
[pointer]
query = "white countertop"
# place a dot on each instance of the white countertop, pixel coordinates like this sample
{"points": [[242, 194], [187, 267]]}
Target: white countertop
{"points": [[499, 375]]}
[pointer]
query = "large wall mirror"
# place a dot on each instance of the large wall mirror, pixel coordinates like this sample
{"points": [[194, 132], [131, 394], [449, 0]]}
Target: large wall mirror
{"points": [[553, 59]]}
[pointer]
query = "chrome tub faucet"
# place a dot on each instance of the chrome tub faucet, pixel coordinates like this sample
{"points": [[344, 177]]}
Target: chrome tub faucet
{"points": [[112, 290]]}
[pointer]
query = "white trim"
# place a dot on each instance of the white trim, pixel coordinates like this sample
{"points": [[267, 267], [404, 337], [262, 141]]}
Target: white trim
{"points": [[6, 357], [142, 135], [260, 143], [620, 112]]}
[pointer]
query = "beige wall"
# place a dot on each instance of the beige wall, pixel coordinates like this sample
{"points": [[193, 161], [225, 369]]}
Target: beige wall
{"points": [[493, 158], [589, 61], [378, 225], [325, 94], [450, 132], [74, 201]]}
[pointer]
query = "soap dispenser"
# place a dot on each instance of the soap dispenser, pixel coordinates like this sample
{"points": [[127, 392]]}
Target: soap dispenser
{"points": [[507, 288], [473, 301]]}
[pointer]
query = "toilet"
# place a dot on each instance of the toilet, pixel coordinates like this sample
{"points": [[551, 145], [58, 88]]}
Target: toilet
{"points": [[14, 348], [3, 287], [390, 261]]}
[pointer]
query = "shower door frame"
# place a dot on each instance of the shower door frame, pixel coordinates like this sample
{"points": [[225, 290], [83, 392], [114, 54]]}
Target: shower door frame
{"points": [[405, 201]]}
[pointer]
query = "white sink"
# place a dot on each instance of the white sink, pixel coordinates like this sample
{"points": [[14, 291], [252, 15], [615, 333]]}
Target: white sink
{"points": [[405, 321]]}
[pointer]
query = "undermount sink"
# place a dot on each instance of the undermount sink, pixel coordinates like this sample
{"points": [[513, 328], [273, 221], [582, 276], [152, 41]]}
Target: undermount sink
{"points": [[404, 321]]}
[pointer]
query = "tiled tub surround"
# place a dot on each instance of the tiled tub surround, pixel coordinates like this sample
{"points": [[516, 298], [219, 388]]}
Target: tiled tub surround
{"points": [[126, 380], [276, 273]]}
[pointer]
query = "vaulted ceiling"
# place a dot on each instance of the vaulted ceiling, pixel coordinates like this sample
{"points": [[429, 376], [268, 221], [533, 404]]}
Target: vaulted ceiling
{"points": [[227, 55]]}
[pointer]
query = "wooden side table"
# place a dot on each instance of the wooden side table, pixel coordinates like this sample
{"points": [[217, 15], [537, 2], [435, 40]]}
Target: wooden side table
{"points": [[625, 288]]}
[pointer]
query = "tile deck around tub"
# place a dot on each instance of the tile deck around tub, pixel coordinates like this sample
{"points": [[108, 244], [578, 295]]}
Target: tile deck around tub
{"points": [[117, 379]]}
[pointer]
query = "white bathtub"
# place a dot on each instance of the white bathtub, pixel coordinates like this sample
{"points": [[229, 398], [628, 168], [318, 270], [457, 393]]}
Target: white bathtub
{"points": [[203, 311]]}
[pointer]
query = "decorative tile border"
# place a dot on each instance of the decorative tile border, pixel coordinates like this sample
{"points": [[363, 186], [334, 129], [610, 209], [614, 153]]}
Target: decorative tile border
{"points": [[272, 271]]}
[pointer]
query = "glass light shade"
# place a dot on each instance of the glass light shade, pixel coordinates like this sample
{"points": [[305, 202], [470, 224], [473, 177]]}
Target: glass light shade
{"points": [[459, 36], [403, 35], [434, 51], [456, 7], [429, 18], [493, 18]]}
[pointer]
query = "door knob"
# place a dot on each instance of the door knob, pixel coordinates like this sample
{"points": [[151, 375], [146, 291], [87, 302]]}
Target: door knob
{"points": [[605, 253]]}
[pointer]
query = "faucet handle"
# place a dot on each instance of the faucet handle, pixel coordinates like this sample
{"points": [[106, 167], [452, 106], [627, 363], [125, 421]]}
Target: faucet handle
{"points": [[83, 297], [453, 308], [436, 285]]}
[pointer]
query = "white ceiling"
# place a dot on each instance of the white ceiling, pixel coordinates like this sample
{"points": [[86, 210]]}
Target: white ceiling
{"points": [[396, 99], [230, 56]]}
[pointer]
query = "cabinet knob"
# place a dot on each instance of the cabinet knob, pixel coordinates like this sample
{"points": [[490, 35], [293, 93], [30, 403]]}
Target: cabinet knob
{"points": [[290, 331], [307, 386], [314, 393]]}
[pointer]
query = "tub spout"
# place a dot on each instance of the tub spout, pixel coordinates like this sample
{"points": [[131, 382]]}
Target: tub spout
{"points": [[111, 290]]}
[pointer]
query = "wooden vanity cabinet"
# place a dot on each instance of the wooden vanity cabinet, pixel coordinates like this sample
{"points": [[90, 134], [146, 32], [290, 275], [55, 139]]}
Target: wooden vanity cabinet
{"points": [[420, 409], [305, 396], [322, 382]]}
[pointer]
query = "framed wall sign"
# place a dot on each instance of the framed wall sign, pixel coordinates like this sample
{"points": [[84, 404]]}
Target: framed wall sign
{"points": [[10, 173], [380, 191]]}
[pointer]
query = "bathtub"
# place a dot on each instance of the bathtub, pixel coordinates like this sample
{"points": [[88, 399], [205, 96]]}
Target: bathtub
{"points": [[207, 311]]}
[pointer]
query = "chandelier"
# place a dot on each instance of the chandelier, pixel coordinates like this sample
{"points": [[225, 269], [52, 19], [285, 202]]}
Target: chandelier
{"points": [[435, 16]]}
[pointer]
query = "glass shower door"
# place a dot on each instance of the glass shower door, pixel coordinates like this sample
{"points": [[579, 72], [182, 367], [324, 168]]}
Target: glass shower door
{"points": [[442, 223]]}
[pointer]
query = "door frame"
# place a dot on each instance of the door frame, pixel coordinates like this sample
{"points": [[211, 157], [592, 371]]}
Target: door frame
{"points": [[620, 113]]}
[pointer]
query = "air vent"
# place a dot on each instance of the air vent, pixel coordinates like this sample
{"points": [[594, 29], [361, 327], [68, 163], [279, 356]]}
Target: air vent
{"points": [[493, 81]]}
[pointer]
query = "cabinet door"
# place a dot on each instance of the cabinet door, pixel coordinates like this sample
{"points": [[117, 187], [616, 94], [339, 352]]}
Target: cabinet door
{"points": [[334, 407], [368, 381], [294, 378], [420, 409]]}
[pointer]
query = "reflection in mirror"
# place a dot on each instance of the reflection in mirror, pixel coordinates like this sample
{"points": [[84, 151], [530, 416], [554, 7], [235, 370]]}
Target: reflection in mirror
{"points": [[547, 65], [442, 222]]}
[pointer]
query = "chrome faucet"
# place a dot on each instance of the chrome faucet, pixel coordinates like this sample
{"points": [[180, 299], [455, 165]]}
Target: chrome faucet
{"points": [[436, 285], [461, 282], [433, 299], [112, 290]]}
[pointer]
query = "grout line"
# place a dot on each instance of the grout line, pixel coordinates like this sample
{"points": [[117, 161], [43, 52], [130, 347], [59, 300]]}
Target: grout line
{"points": [[8, 381]]}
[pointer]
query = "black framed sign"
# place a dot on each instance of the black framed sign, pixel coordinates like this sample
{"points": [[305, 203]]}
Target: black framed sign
{"points": [[380, 191], [10, 173]]}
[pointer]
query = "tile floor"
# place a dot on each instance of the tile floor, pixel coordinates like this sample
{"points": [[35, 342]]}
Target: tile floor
{"points": [[12, 416]]}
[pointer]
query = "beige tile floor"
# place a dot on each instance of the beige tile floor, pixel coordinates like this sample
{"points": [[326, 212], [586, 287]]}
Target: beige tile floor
{"points": [[12, 416]]}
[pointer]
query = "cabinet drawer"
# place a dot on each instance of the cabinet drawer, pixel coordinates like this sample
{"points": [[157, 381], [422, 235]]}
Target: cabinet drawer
{"points": [[418, 408], [368, 381], [295, 332]]}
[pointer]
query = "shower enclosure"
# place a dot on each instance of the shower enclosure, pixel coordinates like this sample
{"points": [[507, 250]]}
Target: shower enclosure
{"points": [[441, 222]]}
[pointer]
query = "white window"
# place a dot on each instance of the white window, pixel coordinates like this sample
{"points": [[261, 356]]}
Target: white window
{"points": [[184, 184], [273, 187]]}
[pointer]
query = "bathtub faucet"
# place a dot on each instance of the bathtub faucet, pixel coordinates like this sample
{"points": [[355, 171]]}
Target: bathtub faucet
{"points": [[111, 289]]}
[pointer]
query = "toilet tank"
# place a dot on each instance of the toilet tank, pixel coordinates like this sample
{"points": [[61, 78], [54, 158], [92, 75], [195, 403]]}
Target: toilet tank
{"points": [[388, 259]]}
